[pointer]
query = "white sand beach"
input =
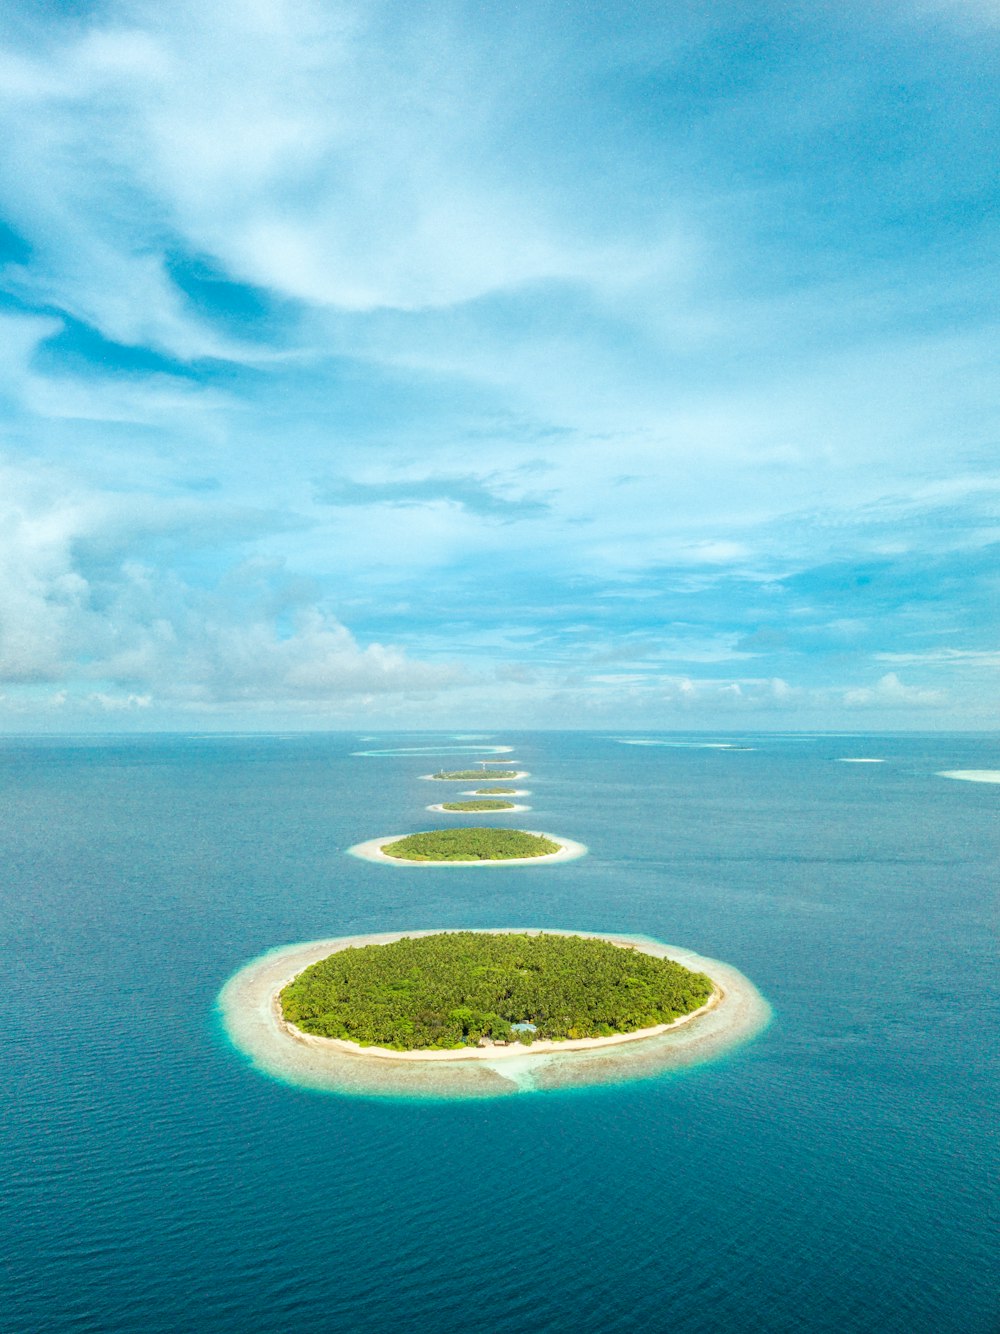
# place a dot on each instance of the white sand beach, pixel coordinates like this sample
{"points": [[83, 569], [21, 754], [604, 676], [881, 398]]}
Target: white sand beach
{"points": [[371, 851], [858, 759], [250, 1011], [972, 775]]}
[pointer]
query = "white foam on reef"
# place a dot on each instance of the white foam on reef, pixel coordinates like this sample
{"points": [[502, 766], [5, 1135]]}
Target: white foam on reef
{"points": [[509, 810], [682, 745], [250, 1011], [371, 851], [858, 759], [972, 775]]}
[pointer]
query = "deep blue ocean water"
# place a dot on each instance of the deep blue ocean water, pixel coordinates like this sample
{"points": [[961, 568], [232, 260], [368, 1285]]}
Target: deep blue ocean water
{"points": [[833, 1175]]}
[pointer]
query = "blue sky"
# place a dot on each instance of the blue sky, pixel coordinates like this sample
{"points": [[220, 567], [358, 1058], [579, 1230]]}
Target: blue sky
{"points": [[497, 364]]}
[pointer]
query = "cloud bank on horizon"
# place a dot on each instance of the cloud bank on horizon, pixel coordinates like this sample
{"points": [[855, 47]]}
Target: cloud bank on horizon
{"points": [[490, 364]]}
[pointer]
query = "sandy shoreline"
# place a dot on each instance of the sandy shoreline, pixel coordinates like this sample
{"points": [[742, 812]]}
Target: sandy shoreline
{"points": [[250, 1012], [512, 809], [504, 778], [371, 851], [972, 775]]}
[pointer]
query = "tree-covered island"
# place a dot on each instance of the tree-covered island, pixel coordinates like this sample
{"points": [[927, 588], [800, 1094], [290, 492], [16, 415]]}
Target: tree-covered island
{"points": [[483, 805], [473, 844], [461, 988], [495, 791], [450, 775]]}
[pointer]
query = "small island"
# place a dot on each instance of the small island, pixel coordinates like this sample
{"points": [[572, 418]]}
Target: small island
{"points": [[496, 791], [472, 844], [464, 775], [483, 805], [253, 1016], [456, 990], [468, 846]]}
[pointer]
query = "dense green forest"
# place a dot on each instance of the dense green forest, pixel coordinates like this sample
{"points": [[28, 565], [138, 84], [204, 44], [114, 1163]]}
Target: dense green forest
{"points": [[469, 845], [495, 791], [451, 989], [477, 805], [472, 773]]}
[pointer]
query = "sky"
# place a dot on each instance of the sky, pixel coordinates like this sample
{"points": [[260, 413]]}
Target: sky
{"points": [[499, 364]]}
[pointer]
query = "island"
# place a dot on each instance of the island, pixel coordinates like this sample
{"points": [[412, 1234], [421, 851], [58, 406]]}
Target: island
{"points": [[485, 845], [496, 791], [484, 805], [251, 1010], [464, 775], [477, 843], [457, 990]]}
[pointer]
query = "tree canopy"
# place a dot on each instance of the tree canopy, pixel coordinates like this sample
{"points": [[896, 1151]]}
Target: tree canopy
{"points": [[454, 988], [471, 844], [472, 773], [477, 805]]}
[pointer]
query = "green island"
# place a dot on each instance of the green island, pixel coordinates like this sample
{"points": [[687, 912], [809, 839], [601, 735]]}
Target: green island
{"points": [[469, 845], [471, 773], [495, 791], [472, 988], [477, 805]]}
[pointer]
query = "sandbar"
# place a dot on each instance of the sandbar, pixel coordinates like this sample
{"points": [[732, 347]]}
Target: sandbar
{"points": [[509, 810], [249, 1007], [858, 759], [972, 775], [371, 851]]}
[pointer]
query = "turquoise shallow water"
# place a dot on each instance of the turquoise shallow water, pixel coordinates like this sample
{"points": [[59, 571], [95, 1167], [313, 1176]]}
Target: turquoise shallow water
{"points": [[832, 1175]]}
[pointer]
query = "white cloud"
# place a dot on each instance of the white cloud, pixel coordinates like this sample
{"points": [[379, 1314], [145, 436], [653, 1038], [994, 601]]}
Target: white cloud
{"points": [[119, 703], [41, 594], [320, 153], [485, 275], [80, 601], [20, 336], [953, 657], [225, 662], [889, 691]]}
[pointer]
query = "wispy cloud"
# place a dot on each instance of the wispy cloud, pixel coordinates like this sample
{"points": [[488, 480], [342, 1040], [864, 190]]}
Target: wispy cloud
{"points": [[629, 350], [953, 657], [470, 493]]}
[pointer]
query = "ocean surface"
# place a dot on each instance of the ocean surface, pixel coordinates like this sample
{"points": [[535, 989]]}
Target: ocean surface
{"points": [[834, 1174]]}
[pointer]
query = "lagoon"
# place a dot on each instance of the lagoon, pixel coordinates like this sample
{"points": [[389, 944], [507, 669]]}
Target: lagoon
{"points": [[830, 1175]]}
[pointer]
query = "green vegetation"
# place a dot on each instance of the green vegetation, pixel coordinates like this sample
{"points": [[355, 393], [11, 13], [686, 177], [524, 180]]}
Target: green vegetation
{"points": [[469, 845], [477, 806], [472, 773], [451, 989], [495, 791]]}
